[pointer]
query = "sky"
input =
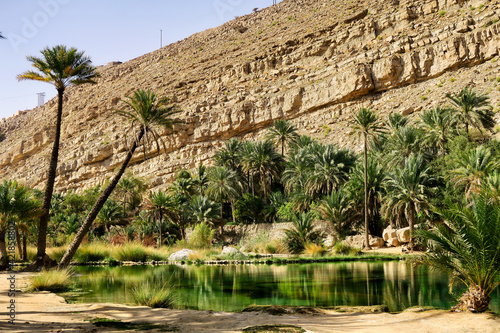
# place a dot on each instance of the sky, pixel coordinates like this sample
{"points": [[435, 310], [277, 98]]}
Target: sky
{"points": [[107, 30]]}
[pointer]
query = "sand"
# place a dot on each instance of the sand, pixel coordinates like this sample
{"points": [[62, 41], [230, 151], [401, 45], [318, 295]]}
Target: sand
{"points": [[47, 312]]}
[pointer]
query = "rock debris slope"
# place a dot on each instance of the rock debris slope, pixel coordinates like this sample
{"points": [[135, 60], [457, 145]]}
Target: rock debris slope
{"points": [[310, 61]]}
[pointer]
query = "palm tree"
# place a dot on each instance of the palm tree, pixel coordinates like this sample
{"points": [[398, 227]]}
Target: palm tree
{"points": [[376, 181], [436, 124], [396, 121], [146, 112], [201, 179], [202, 210], [365, 123], [337, 208], [473, 166], [409, 192], [129, 191], [467, 247], [109, 214], [402, 143], [223, 183], [160, 205], [472, 109], [282, 132], [295, 175], [61, 67], [229, 156], [303, 232], [17, 204], [265, 162]]}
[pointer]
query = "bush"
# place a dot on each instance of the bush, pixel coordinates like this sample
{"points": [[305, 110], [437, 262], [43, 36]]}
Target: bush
{"points": [[302, 233], [344, 249], [249, 209], [54, 280], [158, 295], [91, 252], [131, 252], [314, 250], [55, 253], [202, 236]]}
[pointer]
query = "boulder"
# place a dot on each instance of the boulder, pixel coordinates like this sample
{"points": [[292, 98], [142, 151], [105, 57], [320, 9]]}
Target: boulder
{"points": [[228, 250], [403, 235], [329, 241], [359, 241], [390, 237], [180, 255], [376, 242]]}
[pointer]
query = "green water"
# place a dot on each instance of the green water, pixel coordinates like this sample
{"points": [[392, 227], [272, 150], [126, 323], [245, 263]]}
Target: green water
{"points": [[232, 288]]}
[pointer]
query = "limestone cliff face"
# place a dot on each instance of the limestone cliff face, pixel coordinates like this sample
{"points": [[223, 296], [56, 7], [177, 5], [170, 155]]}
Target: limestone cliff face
{"points": [[310, 61]]}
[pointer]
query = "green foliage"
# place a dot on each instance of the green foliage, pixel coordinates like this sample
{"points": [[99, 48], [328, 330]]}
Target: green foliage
{"points": [[468, 248], [51, 280], [91, 252], [302, 233], [155, 295], [131, 252], [249, 209], [344, 249], [202, 236]]}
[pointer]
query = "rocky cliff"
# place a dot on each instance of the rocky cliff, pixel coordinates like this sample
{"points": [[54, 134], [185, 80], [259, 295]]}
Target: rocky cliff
{"points": [[310, 61]]}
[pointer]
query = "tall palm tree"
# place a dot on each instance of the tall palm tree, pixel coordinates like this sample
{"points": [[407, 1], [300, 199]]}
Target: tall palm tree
{"points": [[201, 179], [295, 175], [402, 143], [146, 112], [202, 210], [467, 247], [62, 67], [229, 156], [409, 192], [129, 191], [365, 123], [160, 205], [472, 109], [437, 125], [337, 208], [473, 167], [223, 183], [282, 132]]}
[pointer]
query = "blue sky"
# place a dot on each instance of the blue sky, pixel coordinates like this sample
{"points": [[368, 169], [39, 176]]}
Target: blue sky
{"points": [[106, 30]]}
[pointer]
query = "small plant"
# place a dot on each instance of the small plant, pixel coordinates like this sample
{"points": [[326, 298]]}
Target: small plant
{"points": [[131, 252], [423, 98], [314, 250], [158, 295], [440, 85], [91, 252], [326, 129], [53, 280], [202, 236], [472, 8], [195, 256], [481, 6], [442, 13], [379, 37], [452, 80]]}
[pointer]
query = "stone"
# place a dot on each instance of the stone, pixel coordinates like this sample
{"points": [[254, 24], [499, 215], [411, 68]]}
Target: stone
{"points": [[403, 235], [329, 241], [228, 250], [181, 255], [359, 241]]}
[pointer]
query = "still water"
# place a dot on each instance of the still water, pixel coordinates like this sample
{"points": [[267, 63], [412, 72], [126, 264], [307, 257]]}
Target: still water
{"points": [[231, 288]]}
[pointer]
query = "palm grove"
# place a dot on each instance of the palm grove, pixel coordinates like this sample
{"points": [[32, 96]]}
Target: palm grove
{"points": [[439, 168]]}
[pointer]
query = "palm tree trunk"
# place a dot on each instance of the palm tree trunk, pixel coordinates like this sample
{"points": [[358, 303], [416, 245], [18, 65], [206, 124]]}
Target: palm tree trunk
{"points": [[84, 229], [49, 189], [411, 222], [3, 250], [160, 225], [283, 147], [19, 245], [367, 231], [25, 243], [232, 211]]}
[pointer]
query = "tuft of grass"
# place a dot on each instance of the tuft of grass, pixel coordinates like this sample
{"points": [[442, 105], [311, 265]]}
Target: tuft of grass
{"points": [[31, 252], [131, 252], [155, 295], [344, 249], [314, 250], [51, 280], [202, 236], [196, 256], [160, 254], [92, 252], [55, 253], [442, 13], [452, 79]]}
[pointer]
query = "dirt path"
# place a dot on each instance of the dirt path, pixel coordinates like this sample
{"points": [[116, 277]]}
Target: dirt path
{"points": [[46, 312]]}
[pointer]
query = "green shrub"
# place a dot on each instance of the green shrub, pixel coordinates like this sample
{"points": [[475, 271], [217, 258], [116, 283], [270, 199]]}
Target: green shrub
{"points": [[56, 253], [91, 252], [202, 236], [302, 233], [131, 252], [53, 280], [157, 295], [249, 209], [344, 249]]}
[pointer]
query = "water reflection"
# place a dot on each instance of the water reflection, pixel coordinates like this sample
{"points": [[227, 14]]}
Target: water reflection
{"points": [[231, 288]]}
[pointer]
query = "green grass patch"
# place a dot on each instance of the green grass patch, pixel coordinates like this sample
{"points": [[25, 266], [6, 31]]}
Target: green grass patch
{"points": [[131, 252], [120, 325], [91, 252], [53, 280], [55, 253], [156, 295]]}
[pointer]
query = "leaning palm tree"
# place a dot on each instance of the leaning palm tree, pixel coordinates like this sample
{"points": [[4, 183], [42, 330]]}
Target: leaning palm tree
{"points": [[473, 167], [410, 189], [467, 246], [146, 112], [223, 183], [365, 123], [61, 67], [472, 109], [282, 132]]}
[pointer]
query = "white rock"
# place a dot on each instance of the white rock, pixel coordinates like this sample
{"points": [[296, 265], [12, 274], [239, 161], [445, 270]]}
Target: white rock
{"points": [[404, 235], [180, 255], [228, 250]]}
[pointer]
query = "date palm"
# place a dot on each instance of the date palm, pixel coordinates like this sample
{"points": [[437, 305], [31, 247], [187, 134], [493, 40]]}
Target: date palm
{"points": [[436, 124], [145, 112], [337, 208], [160, 205], [202, 210], [472, 109], [223, 184], [410, 189], [473, 167], [467, 246], [229, 156], [62, 67], [366, 124], [110, 213], [282, 132]]}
